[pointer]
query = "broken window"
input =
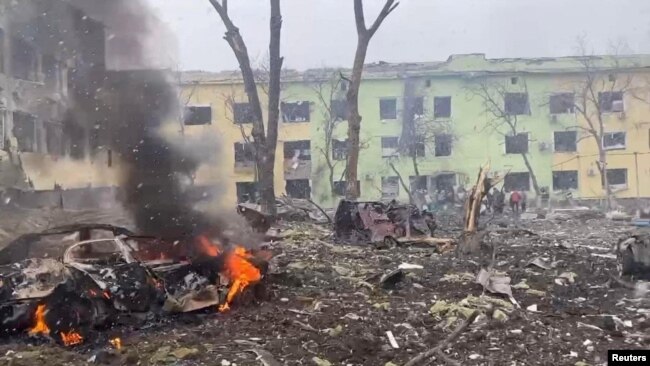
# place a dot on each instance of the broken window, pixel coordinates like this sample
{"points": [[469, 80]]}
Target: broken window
{"points": [[445, 181], [339, 109], [613, 140], [389, 187], [388, 109], [418, 183], [25, 131], [516, 182], [341, 186], [389, 146], [565, 141], [517, 144], [611, 101], [97, 252], [443, 142], [298, 188], [244, 153], [297, 150], [617, 178], [197, 115], [24, 60], [565, 180], [441, 107], [295, 112], [242, 112], [417, 148], [561, 103], [54, 138], [516, 103], [339, 149], [247, 192]]}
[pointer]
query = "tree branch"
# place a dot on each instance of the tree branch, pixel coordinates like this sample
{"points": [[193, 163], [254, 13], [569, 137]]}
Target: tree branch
{"points": [[388, 8]]}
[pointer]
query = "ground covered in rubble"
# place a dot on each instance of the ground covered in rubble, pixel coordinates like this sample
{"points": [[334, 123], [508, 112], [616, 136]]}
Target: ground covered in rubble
{"points": [[328, 307]]}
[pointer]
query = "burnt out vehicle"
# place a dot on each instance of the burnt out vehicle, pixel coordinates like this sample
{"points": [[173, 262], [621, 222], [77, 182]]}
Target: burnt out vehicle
{"points": [[85, 284], [376, 221]]}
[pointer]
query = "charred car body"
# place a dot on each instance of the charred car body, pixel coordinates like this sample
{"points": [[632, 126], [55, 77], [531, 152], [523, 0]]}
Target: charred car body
{"points": [[378, 221], [88, 283]]}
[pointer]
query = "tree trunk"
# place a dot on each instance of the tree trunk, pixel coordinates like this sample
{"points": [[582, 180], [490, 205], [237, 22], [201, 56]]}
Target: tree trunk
{"points": [[533, 177], [354, 118], [602, 169], [275, 69], [406, 188]]}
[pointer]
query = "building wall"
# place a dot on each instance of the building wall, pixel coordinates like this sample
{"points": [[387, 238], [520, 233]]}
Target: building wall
{"points": [[475, 143]]}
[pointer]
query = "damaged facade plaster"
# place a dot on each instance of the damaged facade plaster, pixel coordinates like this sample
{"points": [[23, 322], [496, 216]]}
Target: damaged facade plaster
{"points": [[43, 146], [447, 85]]}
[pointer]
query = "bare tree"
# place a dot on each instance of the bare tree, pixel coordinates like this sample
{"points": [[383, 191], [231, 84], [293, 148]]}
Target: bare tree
{"points": [[364, 35], [600, 92], [265, 142], [327, 90], [503, 116]]}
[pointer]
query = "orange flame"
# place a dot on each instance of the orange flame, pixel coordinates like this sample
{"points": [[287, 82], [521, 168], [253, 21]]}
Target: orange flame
{"points": [[241, 273], [116, 342], [40, 327], [207, 247], [71, 338]]}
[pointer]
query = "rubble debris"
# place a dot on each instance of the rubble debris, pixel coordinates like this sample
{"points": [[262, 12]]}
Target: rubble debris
{"points": [[633, 255], [391, 279], [495, 283], [391, 339], [539, 262], [375, 221], [259, 221]]}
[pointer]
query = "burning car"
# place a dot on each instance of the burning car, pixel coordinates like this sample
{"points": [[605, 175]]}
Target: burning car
{"points": [[113, 271]]}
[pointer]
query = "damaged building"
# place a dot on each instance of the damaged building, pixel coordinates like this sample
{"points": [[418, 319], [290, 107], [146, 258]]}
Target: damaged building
{"points": [[426, 129], [52, 63]]}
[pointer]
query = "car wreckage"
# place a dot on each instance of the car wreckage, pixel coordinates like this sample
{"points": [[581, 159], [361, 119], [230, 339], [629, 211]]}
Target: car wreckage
{"points": [[375, 221], [85, 276]]}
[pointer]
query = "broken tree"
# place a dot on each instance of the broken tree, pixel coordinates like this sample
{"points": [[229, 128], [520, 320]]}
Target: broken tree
{"points": [[264, 142], [471, 240], [364, 35]]}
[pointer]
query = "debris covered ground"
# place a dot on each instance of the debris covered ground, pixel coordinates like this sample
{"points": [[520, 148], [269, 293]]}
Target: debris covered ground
{"points": [[336, 304]]}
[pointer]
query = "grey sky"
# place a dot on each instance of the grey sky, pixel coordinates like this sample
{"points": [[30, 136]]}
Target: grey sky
{"points": [[320, 33]]}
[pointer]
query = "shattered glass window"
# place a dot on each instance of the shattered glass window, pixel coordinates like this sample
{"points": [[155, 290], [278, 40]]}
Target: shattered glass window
{"points": [[565, 141], [389, 187], [339, 149], [614, 140], [516, 181], [442, 107], [295, 111], [242, 113], [517, 144], [561, 103], [388, 108], [198, 115], [611, 101], [516, 104], [300, 150], [565, 180]]}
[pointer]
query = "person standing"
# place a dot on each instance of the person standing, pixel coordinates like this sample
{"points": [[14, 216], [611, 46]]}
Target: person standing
{"points": [[515, 201]]}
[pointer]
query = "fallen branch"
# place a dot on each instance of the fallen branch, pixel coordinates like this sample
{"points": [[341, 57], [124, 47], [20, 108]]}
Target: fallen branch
{"points": [[433, 351], [329, 219]]}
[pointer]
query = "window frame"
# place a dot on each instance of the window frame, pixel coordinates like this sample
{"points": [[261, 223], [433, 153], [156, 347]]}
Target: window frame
{"points": [[382, 115]]}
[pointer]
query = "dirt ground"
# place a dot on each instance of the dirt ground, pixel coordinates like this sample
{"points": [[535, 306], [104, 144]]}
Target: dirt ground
{"points": [[327, 307]]}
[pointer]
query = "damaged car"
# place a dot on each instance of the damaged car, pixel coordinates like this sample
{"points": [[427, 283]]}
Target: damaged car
{"points": [[375, 221], [53, 283]]}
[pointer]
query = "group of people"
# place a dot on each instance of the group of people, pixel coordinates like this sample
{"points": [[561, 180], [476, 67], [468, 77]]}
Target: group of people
{"points": [[440, 199], [495, 201]]}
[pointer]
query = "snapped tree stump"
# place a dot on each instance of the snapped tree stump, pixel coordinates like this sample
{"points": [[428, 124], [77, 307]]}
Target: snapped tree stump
{"points": [[470, 241]]}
